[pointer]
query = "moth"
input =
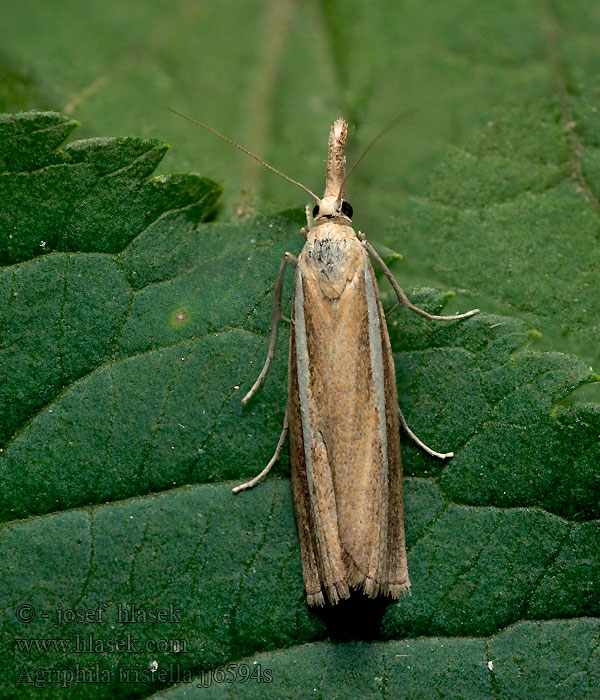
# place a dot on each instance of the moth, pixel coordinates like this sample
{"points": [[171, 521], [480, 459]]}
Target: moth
{"points": [[342, 414]]}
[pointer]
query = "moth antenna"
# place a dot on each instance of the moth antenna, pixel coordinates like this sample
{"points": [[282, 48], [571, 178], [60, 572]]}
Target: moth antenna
{"points": [[244, 150], [391, 125]]}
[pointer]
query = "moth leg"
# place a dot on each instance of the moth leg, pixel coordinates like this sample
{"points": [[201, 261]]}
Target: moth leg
{"points": [[274, 458], [309, 222], [402, 298], [288, 259], [420, 443], [309, 217]]}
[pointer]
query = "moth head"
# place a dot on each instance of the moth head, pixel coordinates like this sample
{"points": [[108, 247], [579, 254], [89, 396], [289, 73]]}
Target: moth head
{"points": [[333, 203], [333, 206]]}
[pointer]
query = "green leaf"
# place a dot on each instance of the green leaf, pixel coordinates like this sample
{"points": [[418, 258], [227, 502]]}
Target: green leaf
{"points": [[128, 340], [520, 199], [528, 660]]}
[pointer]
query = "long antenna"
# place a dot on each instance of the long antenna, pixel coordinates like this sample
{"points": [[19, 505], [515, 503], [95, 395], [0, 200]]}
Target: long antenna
{"points": [[256, 158], [391, 125]]}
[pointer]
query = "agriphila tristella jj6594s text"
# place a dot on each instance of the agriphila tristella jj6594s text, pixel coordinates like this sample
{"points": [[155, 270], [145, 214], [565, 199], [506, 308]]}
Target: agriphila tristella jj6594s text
{"points": [[342, 411]]}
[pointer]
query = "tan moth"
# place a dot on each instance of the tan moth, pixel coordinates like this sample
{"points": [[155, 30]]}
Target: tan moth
{"points": [[342, 415]]}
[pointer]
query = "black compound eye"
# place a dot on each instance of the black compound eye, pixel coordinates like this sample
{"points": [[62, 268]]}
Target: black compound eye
{"points": [[347, 209], [316, 210]]}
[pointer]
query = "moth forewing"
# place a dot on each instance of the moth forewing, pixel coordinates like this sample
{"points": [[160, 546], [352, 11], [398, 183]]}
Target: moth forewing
{"points": [[343, 421]]}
